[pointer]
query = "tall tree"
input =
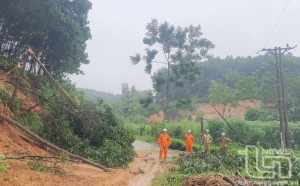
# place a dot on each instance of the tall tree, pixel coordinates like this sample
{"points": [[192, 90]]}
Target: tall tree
{"points": [[244, 87], [219, 93], [182, 47], [56, 30]]}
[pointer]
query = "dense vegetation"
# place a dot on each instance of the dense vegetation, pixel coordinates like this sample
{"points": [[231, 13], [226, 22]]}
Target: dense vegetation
{"points": [[231, 164], [56, 30], [241, 75], [91, 129], [264, 135]]}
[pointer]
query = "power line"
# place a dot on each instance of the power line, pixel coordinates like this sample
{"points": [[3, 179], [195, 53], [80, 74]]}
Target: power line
{"points": [[277, 23], [284, 129], [297, 47]]}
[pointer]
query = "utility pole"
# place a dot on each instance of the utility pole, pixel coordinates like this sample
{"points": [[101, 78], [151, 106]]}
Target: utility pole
{"points": [[201, 120], [284, 129]]}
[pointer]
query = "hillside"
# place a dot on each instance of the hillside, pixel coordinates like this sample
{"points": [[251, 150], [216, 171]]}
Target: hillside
{"points": [[210, 113], [33, 107], [38, 169], [14, 143], [97, 95], [238, 111]]}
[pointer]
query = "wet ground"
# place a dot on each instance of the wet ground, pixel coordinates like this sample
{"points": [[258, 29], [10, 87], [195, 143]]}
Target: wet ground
{"points": [[147, 163]]}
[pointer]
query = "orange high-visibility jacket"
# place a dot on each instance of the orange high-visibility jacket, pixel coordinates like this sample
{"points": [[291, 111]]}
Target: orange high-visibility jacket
{"points": [[188, 138], [164, 139]]}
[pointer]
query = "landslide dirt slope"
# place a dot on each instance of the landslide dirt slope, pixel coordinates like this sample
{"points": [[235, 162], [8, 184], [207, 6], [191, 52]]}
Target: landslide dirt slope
{"points": [[209, 112], [14, 143], [139, 172], [239, 111]]}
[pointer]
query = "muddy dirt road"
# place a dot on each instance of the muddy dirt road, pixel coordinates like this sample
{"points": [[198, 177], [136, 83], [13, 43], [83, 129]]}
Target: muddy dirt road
{"points": [[146, 164]]}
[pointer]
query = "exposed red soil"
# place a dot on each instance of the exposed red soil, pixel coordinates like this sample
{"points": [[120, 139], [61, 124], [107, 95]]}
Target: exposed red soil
{"points": [[209, 112], [28, 100], [239, 111], [139, 172], [13, 143]]}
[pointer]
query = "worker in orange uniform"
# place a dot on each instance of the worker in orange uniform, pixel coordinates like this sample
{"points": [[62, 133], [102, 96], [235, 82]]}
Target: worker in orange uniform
{"points": [[164, 142], [188, 138]]}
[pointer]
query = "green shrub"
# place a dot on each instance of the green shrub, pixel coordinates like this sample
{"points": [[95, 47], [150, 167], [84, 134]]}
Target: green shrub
{"points": [[3, 165], [178, 131], [112, 154], [177, 144], [33, 122], [253, 114], [155, 130], [296, 114], [142, 130], [17, 102], [240, 127], [198, 162], [4, 95], [5, 64], [216, 127]]}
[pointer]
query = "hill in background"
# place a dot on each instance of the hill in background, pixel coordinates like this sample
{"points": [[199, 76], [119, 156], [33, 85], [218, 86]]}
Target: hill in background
{"points": [[97, 95]]}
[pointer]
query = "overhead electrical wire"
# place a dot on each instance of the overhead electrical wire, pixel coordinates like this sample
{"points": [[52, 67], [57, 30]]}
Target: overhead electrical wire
{"points": [[276, 23], [297, 47]]}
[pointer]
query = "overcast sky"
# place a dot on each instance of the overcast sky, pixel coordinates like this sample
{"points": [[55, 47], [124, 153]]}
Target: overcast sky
{"points": [[236, 27]]}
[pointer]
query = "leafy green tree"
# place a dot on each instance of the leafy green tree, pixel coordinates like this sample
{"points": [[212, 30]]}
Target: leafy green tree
{"points": [[221, 94], [253, 114], [244, 87], [182, 48], [57, 30]]}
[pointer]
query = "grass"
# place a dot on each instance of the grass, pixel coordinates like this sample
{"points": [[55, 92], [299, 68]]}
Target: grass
{"points": [[167, 178], [3, 165]]}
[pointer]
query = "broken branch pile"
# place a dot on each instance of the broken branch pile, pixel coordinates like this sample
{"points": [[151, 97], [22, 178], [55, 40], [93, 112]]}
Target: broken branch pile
{"points": [[46, 144], [213, 179]]}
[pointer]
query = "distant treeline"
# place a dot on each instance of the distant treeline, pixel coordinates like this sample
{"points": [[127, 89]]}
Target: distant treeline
{"points": [[221, 81], [262, 68], [97, 95]]}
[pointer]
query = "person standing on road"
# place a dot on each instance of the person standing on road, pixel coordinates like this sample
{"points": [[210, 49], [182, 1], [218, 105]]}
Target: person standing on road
{"points": [[188, 138], [164, 142], [205, 141], [223, 143]]}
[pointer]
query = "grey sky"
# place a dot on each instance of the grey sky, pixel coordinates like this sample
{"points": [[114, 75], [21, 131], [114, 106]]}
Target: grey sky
{"points": [[236, 27]]}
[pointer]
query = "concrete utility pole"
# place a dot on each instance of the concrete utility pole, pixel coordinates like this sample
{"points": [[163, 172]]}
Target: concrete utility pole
{"points": [[201, 120], [284, 129]]}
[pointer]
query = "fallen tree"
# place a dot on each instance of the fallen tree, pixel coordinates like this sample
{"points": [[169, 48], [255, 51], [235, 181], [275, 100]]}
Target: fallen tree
{"points": [[35, 137]]}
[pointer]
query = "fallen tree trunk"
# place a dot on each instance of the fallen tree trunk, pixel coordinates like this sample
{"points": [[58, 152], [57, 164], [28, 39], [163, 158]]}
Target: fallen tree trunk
{"points": [[36, 156], [30, 156], [23, 129]]}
